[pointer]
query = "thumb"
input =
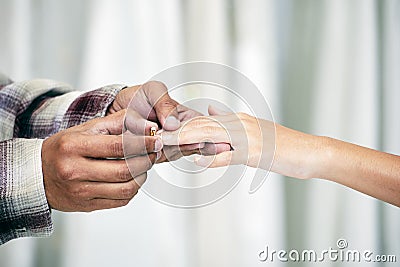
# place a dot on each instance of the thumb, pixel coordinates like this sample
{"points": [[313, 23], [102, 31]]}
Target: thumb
{"points": [[136, 124], [164, 106], [167, 114]]}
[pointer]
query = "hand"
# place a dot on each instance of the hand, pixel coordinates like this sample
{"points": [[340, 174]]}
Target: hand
{"points": [[152, 101], [297, 154], [83, 169], [255, 142], [251, 139]]}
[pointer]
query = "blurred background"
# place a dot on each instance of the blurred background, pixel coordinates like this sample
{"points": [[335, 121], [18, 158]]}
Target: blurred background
{"points": [[327, 67]]}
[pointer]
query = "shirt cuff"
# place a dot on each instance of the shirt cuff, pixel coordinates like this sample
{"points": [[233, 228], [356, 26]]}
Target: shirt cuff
{"points": [[24, 209], [90, 105]]}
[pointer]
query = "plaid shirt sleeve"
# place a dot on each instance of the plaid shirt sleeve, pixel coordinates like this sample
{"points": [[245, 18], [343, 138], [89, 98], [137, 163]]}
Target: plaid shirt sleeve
{"points": [[29, 112]]}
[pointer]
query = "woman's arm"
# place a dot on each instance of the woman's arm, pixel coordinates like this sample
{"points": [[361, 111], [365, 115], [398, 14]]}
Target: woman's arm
{"points": [[366, 170], [297, 154]]}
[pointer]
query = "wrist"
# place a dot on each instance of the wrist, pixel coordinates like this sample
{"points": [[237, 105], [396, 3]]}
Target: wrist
{"points": [[298, 154]]}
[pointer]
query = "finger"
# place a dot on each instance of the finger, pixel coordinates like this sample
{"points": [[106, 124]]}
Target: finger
{"points": [[163, 104], [116, 146], [140, 179], [191, 147], [100, 146], [136, 124], [101, 204], [126, 190], [106, 171], [222, 159], [212, 133], [199, 120], [116, 170], [213, 149], [213, 110], [170, 153], [140, 165], [139, 145], [108, 125]]}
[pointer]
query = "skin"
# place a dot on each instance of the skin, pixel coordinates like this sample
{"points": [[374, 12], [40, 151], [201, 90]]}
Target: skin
{"points": [[149, 105], [78, 173], [297, 154], [84, 167]]}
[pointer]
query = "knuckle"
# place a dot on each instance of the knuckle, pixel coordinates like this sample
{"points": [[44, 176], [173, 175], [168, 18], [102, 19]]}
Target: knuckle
{"points": [[84, 144], [123, 174], [129, 190], [66, 144], [209, 130], [80, 191], [167, 104], [199, 123], [65, 172], [195, 123], [116, 147]]}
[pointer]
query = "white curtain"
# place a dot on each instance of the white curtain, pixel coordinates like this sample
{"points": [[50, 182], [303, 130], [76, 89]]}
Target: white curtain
{"points": [[326, 67]]}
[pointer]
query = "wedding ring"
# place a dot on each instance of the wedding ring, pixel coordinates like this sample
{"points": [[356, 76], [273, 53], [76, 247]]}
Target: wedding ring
{"points": [[153, 131]]}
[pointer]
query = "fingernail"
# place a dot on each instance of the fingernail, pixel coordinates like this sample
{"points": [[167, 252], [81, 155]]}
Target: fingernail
{"points": [[158, 145], [172, 123]]}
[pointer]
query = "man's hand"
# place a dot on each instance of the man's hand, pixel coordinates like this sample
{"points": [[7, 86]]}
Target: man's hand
{"points": [[152, 101], [83, 169]]}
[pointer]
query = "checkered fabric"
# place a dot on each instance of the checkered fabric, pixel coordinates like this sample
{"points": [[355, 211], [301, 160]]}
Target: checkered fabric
{"points": [[29, 112]]}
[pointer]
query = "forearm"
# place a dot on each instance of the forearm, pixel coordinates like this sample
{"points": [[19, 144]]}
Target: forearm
{"points": [[366, 170], [296, 153]]}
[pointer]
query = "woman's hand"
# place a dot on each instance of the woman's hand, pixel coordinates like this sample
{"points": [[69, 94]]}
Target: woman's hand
{"points": [[251, 140], [255, 142]]}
